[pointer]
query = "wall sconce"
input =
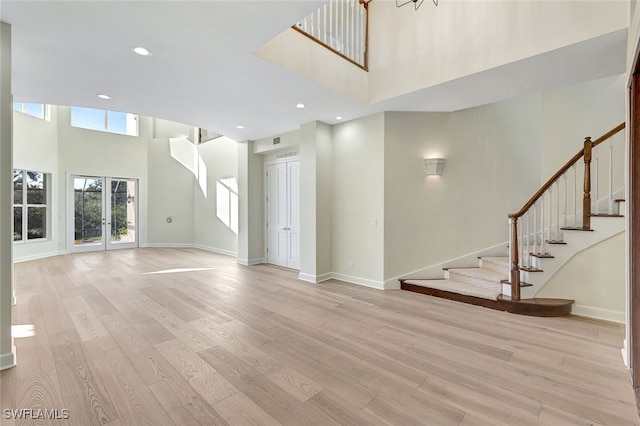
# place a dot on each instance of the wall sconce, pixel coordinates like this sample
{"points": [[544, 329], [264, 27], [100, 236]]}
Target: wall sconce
{"points": [[435, 166]]}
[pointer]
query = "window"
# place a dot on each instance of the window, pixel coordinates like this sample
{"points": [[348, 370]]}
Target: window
{"points": [[227, 202], [30, 205], [123, 123], [35, 110]]}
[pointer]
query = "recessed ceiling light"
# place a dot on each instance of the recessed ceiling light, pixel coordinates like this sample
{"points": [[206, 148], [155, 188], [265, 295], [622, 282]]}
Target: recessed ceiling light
{"points": [[103, 96], [141, 51], [240, 127], [339, 117], [300, 106]]}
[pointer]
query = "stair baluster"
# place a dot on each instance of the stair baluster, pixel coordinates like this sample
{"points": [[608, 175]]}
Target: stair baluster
{"points": [[565, 203], [535, 228], [575, 198], [610, 178], [595, 193]]}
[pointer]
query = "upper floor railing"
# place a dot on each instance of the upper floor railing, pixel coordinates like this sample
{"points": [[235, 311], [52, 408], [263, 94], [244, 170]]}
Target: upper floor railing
{"points": [[341, 26]]}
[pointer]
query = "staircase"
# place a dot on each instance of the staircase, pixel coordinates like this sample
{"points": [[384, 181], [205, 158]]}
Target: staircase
{"points": [[544, 235]]}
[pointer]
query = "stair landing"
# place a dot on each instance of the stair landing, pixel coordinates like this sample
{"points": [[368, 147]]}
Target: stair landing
{"points": [[537, 307]]}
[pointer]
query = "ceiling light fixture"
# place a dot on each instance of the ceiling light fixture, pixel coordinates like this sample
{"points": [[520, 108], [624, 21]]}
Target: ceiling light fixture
{"points": [[416, 3], [339, 117], [103, 96], [141, 51], [240, 127], [300, 106]]}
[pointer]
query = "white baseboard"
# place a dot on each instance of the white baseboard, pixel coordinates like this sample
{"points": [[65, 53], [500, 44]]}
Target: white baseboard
{"points": [[187, 245], [315, 278], [166, 245], [7, 361], [38, 256], [216, 250], [625, 353], [598, 313], [251, 262], [359, 280], [392, 284]]}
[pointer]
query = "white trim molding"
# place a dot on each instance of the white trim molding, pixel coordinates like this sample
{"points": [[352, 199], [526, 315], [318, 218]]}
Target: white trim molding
{"points": [[598, 313], [187, 245], [251, 262], [38, 256], [7, 361], [216, 250], [315, 278], [379, 285]]}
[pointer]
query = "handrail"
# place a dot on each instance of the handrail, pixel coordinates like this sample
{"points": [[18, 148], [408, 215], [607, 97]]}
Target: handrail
{"points": [[562, 171], [585, 152], [608, 135]]}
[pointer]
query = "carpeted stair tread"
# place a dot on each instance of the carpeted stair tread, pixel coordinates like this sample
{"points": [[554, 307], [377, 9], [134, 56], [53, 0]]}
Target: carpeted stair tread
{"points": [[460, 288]]}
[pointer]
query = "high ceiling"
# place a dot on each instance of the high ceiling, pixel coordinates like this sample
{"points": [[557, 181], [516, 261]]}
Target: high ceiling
{"points": [[202, 72]]}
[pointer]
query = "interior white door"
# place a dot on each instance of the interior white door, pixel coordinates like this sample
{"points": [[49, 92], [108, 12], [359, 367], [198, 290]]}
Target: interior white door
{"points": [[283, 214], [293, 210]]}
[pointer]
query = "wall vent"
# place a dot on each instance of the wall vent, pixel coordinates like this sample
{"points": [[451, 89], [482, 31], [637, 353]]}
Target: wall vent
{"points": [[286, 155]]}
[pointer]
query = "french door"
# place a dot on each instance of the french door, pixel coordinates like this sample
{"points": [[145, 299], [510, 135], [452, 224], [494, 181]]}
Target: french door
{"points": [[104, 213], [283, 214]]}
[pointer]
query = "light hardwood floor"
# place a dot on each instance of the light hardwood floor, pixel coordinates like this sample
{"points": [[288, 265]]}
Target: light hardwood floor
{"points": [[119, 343]]}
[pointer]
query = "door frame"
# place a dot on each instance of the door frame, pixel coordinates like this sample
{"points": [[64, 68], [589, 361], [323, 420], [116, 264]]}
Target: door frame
{"points": [[634, 227], [266, 165], [71, 247]]}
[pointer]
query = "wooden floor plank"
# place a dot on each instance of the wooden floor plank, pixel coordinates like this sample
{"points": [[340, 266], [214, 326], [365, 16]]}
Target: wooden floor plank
{"points": [[211, 385]]}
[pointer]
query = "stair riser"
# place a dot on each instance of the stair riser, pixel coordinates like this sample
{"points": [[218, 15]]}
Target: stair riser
{"points": [[501, 269], [472, 280]]}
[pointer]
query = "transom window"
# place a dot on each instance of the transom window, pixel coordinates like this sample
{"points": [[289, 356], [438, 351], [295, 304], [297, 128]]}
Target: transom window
{"points": [[30, 205], [123, 123], [35, 110]]}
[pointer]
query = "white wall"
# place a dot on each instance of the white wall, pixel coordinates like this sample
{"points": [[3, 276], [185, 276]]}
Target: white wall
{"points": [[492, 168], [472, 36], [221, 157], [93, 153], [570, 114], [36, 148], [299, 54], [595, 279], [324, 194], [251, 208], [358, 200], [170, 190]]}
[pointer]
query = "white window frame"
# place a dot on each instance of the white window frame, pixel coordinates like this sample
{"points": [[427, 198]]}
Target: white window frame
{"points": [[132, 124], [23, 109], [25, 208]]}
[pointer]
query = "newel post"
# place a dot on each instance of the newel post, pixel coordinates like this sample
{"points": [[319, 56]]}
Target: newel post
{"points": [[515, 267], [586, 199]]}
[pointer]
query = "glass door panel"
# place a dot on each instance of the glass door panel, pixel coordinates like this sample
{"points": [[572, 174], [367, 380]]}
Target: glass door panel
{"points": [[122, 219], [88, 213]]}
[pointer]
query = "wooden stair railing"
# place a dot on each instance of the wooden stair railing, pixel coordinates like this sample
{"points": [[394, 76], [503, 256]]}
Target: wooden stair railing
{"points": [[341, 26], [515, 240]]}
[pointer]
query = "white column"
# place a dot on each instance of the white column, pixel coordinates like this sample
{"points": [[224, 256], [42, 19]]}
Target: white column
{"points": [[250, 205], [7, 357]]}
